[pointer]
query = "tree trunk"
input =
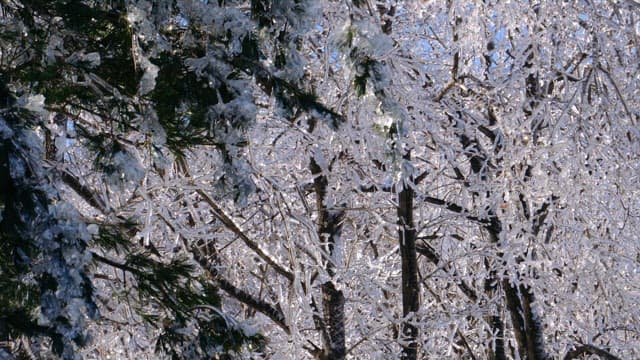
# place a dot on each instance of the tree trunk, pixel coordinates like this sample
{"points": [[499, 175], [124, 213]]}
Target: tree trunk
{"points": [[494, 320], [410, 289], [535, 336], [329, 228], [333, 309]]}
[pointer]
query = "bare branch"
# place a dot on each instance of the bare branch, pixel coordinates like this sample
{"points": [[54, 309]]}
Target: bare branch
{"points": [[589, 350], [430, 253]]}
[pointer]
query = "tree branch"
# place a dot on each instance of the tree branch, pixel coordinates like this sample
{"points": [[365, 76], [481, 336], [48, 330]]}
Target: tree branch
{"points": [[244, 297], [589, 350], [231, 225], [431, 255], [490, 224], [114, 263], [84, 191]]}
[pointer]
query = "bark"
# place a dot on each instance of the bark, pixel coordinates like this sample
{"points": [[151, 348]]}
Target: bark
{"points": [[533, 327], [497, 353], [333, 308], [495, 321], [406, 229], [515, 310], [219, 213], [428, 252], [410, 294], [329, 228], [520, 298], [584, 350]]}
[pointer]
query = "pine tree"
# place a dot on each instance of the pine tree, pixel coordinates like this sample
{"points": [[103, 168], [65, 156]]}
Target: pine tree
{"points": [[136, 86]]}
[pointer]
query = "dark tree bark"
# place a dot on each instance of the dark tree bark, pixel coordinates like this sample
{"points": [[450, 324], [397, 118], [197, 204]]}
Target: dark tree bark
{"points": [[515, 310], [333, 308], [410, 289], [533, 327], [583, 350], [329, 228]]}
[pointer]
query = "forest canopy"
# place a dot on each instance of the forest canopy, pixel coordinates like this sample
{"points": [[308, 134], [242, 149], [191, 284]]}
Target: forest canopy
{"points": [[294, 179]]}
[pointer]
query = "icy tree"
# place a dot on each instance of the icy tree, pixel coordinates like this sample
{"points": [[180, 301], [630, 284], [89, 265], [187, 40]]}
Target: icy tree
{"points": [[104, 104], [471, 142], [351, 179]]}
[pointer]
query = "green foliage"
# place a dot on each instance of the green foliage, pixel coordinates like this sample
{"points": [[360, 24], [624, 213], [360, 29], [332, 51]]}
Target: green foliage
{"points": [[19, 294], [108, 34], [18, 322], [295, 102], [216, 334], [192, 324], [182, 101], [250, 48], [260, 12], [84, 30], [362, 76], [116, 236], [81, 55], [38, 278], [169, 283]]}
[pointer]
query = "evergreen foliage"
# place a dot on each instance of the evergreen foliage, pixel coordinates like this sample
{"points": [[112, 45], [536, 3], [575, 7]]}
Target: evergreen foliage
{"points": [[97, 75]]}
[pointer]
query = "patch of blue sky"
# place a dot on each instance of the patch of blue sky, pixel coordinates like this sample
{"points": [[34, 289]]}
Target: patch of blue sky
{"points": [[425, 47], [69, 139], [70, 128], [334, 58], [500, 46]]}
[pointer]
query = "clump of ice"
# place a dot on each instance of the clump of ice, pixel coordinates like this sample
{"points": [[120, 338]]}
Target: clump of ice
{"points": [[33, 103], [124, 169], [90, 60]]}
